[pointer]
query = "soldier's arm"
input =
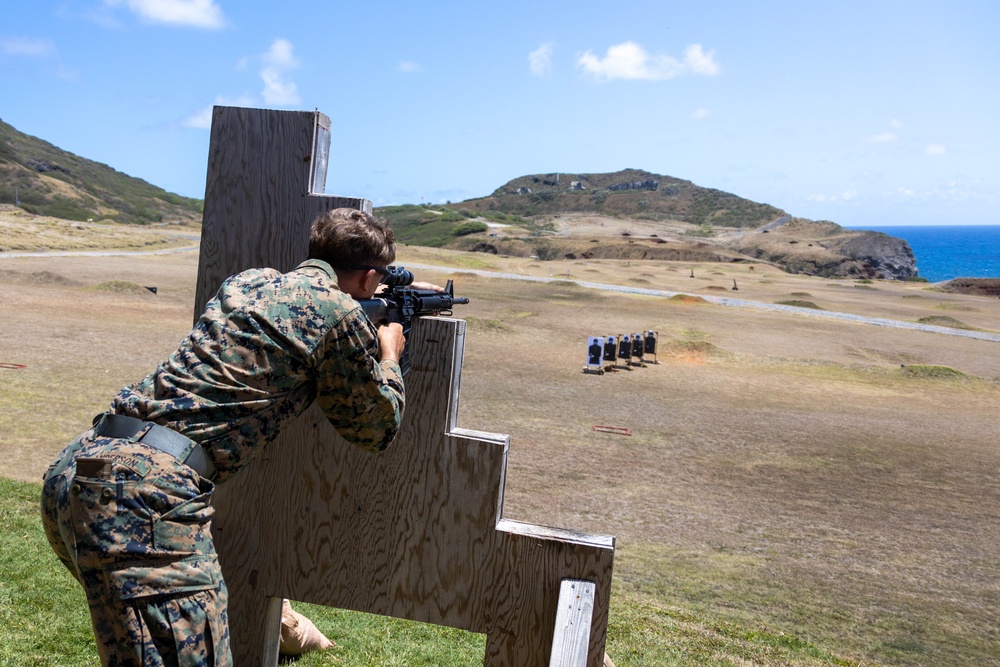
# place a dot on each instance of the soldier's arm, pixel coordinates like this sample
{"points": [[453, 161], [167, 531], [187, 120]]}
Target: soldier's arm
{"points": [[361, 396]]}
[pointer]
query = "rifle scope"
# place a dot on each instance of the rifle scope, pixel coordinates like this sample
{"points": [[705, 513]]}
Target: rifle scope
{"points": [[397, 276]]}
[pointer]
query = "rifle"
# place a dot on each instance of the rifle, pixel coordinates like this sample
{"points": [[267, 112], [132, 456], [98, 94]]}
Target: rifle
{"points": [[401, 303]]}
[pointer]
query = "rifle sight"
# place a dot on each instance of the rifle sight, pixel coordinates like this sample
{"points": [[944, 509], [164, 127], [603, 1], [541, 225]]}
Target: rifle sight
{"points": [[397, 276]]}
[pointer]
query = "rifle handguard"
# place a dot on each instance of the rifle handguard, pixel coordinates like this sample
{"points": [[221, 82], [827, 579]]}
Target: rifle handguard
{"points": [[404, 304]]}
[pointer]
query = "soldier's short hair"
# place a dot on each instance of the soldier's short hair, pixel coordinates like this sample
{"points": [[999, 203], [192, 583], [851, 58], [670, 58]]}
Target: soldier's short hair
{"points": [[347, 237]]}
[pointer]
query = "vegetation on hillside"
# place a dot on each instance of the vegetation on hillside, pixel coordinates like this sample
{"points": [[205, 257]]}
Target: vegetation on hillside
{"points": [[46, 180], [631, 193], [440, 226]]}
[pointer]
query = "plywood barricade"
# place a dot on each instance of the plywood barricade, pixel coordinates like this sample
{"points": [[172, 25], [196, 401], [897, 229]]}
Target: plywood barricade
{"points": [[417, 532]]}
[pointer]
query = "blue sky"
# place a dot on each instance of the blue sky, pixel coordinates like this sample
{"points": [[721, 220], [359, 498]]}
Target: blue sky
{"points": [[865, 113]]}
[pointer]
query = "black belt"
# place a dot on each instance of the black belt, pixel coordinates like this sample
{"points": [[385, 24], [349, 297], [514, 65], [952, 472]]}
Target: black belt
{"points": [[190, 453]]}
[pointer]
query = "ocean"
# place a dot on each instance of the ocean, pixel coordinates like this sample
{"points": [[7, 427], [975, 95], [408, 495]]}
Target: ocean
{"points": [[944, 252]]}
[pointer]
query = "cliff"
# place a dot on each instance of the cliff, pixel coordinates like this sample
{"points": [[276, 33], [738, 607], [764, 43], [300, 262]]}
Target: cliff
{"points": [[827, 249]]}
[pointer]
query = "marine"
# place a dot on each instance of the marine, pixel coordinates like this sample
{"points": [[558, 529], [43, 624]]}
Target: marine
{"points": [[127, 505]]}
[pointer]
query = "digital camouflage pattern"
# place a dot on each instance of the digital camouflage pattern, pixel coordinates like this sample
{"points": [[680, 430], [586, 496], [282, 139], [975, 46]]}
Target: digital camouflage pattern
{"points": [[133, 524], [266, 347]]}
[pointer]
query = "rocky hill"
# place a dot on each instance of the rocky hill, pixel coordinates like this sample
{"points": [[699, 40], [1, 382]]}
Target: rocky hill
{"points": [[979, 286], [631, 193], [46, 180], [827, 249], [634, 214]]}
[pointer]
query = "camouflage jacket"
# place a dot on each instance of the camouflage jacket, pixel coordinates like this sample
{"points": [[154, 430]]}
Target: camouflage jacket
{"points": [[268, 345]]}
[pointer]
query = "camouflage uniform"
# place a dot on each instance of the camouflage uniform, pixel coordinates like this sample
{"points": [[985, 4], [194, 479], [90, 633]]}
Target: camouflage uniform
{"points": [[133, 524]]}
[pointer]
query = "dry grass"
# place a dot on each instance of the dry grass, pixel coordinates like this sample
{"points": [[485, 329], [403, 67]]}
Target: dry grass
{"points": [[782, 470], [21, 231]]}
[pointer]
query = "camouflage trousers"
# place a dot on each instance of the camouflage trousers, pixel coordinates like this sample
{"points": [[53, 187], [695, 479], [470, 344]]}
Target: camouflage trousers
{"points": [[133, 525]]}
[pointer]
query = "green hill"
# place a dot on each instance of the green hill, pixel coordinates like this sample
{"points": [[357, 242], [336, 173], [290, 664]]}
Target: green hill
{"points": [[634, 215], [47, 180], [630, 193]]}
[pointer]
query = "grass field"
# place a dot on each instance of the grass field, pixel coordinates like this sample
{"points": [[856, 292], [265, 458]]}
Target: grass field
{"points": [[795, 490]]}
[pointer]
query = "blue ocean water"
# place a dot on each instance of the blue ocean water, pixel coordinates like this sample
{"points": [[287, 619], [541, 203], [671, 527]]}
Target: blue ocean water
{"points": [[944, 252]]}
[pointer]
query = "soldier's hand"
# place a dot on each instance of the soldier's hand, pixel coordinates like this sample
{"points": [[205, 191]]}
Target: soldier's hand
{"points": [[391, 341], [427, 286]]}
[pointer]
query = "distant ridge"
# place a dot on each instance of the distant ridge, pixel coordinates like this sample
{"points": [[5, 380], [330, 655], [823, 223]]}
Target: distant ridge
{"points": [[636, 214], [46, 180], [629, 193]]}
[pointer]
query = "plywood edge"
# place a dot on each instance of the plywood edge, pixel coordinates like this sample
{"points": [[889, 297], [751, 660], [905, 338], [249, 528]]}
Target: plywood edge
{"points": [[481, 436], [557, 534], [571, 639], [325, 202]]}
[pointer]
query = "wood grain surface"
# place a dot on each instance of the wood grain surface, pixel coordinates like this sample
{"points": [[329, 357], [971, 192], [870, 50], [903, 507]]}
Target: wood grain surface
{"points": [[416, 532]]}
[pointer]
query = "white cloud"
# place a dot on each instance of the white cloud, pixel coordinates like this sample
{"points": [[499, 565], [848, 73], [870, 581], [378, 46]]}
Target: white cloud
{"points": [[700, 113], [202, 119], [700, 62], [845, 196], [194, 13], [884, 137], [278, 90], [408, 66], [936, 149], [280, 55], [629, 60], [894, 123], [947, 191], [26, 46], [540, 60]]}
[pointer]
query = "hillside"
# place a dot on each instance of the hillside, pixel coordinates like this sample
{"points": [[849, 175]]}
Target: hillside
{"points": [[629, 214], [634, 214], [631, 193], [45, 180]]}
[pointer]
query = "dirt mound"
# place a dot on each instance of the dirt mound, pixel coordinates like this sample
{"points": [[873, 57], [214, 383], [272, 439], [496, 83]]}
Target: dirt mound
{"points": [[932, 372], [686, 298], [974, 286], [35, 278], [944, 321], [799, 303], [122, 287]]}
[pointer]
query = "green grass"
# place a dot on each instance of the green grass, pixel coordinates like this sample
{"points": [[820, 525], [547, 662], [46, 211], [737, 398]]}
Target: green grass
{"points": [[43, 612], [933, 372], [44, 620], [419, 225]]}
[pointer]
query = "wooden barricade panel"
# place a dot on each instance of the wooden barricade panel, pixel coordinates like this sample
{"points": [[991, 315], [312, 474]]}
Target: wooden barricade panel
{"points": [[416, 532]]}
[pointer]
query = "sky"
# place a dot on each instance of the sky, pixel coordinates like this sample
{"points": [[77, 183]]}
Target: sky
{"points": [[866, 113]]}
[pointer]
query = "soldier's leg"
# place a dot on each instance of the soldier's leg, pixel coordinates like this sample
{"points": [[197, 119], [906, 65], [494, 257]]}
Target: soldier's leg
{"points": [[56, 517], [57, 520], [186, 630], [137, 534]]}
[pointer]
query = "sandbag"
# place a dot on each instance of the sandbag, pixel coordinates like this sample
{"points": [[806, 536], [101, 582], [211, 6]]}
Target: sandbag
{"points": [[298, 634]]}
